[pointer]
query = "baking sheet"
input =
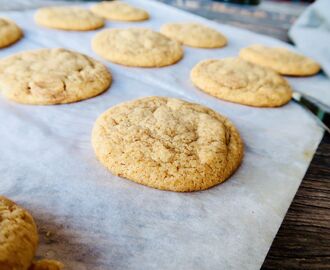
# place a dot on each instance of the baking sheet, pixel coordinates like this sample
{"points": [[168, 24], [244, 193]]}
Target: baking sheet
{"points": [[91, 219]]}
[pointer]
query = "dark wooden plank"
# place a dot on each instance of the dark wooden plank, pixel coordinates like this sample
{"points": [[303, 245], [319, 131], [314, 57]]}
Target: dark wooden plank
{"points": [[303, 241]]}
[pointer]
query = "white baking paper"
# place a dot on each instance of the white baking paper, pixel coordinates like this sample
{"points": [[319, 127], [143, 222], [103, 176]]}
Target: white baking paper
{"points": [[90, 219]]}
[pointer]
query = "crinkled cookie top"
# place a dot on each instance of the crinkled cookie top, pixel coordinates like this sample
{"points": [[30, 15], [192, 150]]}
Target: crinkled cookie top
{"points": [[237, 80], [52, 76], [194, 35], [119, 11], [280, 60], [139, 47], [68, 18], [167, 143]]}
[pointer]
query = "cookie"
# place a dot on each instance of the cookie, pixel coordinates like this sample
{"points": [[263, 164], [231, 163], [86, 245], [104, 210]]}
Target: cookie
{"points": [[9, 32], [138, 47], [68, 18], [47, 265], [194, 35], [18, 236], [239, 81], [281, 60], [167, 143], [52, 76], [119, 11]]}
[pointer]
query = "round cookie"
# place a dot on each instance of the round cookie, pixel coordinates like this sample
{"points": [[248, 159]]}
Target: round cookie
{"points": [[194, 35], [47, 265], [280, 60], [168, 144], [119, 11], [137, 47], [68, 18], [52, 76], [239, 81], [18, 236], [9, 32]]}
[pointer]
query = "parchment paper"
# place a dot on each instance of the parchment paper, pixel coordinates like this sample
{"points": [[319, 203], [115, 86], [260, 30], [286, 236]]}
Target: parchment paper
{"points": [[90, 219]]}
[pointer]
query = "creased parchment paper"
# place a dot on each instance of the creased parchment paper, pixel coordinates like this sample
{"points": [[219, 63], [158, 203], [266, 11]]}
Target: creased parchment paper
{"points": [[90, 219]]}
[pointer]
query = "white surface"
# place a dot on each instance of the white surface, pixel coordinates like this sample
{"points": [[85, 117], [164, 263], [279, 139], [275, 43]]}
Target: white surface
{"points": [[311, 33], [101, 222]]}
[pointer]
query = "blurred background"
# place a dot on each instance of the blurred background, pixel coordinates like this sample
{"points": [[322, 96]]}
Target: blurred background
{"points": [[269, 17], [256, 15]]}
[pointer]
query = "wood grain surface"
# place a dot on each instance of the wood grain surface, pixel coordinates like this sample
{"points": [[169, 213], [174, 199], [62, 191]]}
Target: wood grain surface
{"points": [[303, 241]]}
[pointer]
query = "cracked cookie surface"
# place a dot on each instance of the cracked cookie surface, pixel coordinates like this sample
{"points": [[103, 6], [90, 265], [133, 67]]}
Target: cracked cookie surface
{"points": [[138, 47], [194, 35], [9, 32], [239, 81], [119, 11], [280, 60], [52, 76], [18, 236], [68, 18], [167, 143]]}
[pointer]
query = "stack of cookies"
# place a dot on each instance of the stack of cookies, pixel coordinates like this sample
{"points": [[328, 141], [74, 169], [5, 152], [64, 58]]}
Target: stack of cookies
{"points": [[161, 142]]}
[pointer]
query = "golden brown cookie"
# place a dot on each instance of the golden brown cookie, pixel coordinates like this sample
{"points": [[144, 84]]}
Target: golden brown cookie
{"points": [[137, 47], [9, 32], [119, 11], [236, 80], [52, 76], [167, 143], [68, 18], [194, 35], [47, 265], [280, 60], [18, 236]]}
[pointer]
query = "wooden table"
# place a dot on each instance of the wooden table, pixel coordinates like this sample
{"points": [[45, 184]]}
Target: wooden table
{"points": [[303, 241]]}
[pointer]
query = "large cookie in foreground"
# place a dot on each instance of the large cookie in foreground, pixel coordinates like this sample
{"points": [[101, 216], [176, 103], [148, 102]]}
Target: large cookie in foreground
{"points": [[167, 143]]}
